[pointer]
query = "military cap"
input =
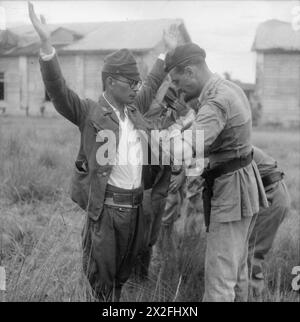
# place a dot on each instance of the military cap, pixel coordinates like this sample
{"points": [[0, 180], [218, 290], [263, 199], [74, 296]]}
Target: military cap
{"points": [[121, 63], [183, 54]]}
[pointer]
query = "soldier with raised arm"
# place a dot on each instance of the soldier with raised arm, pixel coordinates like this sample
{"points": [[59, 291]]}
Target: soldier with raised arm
{"points": [[110, 193]]}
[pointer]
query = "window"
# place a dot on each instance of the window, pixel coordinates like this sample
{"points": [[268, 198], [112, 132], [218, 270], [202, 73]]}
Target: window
{"points": [[1, 86]]}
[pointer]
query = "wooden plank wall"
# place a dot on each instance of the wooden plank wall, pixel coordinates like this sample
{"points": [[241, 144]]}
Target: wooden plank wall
{"points": [[279, 86], [12, 83]]}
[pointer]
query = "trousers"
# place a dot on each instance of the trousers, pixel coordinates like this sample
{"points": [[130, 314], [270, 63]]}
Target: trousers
{"points": [[226, 271], [110, 249], [264, 232]]}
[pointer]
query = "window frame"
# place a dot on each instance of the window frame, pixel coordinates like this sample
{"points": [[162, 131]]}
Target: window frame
{"points": [[2, 80]]}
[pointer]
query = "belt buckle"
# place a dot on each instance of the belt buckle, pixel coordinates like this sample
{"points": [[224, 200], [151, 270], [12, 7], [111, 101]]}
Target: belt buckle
{"points": [[117, 198], [130, 199]]}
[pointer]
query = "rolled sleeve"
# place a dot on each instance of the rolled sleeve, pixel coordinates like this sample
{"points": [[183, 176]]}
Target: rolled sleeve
{"points": [[150, 87], [47, 57]]}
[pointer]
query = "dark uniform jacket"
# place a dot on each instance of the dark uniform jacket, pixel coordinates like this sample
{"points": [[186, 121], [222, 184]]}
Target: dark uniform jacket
{"points": [[89, 178]]}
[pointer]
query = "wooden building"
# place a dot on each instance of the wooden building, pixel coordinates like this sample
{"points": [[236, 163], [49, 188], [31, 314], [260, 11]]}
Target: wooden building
{"points": [[277, 46], [81, 48]]}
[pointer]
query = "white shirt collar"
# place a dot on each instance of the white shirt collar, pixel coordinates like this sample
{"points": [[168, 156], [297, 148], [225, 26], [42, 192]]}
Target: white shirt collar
{"points": [[116, 110]]}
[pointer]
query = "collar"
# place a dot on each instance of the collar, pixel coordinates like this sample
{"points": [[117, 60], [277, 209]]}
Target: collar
{"points": [[105, 106], [127, 108], [109, 108], [214, 77], [110, 104]]}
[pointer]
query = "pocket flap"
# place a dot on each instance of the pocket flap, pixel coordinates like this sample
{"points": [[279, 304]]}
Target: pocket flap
{"points": [[81, 166]]}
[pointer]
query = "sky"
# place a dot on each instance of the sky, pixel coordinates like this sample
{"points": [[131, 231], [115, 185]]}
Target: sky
{"points": [[225, 29]]}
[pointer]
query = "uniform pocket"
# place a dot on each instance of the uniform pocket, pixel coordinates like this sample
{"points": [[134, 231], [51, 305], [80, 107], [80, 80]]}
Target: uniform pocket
{"points": [[96, 127], [80, 183], [225, 190]]}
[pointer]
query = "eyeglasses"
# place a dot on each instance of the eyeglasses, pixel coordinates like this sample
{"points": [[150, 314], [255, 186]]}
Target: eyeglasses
{"points": [[133, 84]]}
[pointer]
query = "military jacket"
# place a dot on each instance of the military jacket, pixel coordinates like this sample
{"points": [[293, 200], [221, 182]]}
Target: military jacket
{"points": [[89, 178]]}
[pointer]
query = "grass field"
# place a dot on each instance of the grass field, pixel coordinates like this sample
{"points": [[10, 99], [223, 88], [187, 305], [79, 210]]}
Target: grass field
{"points": [[40, 243]]}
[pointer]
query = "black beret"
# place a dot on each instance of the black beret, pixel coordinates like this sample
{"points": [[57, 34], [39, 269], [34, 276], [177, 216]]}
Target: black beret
{"points": [[123, 63], [183, 54]]}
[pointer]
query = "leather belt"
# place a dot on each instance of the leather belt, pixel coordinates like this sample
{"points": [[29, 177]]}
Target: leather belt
{"points": [[272, 178], [228, 166], [119, 199], [223, 156]]}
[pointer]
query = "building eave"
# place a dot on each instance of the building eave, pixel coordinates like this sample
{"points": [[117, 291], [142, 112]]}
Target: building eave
{"points": [[61, 52], [277, 51], [102, 51]]}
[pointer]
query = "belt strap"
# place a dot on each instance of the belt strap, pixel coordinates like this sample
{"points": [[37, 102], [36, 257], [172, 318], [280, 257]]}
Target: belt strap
{"points": [[110, 202], [226, 167], [131, 199], [272, 178]]}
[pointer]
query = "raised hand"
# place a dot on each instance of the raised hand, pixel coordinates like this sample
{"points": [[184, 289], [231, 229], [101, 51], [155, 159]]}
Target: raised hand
{"points": [[170, 37], [39, 25]]}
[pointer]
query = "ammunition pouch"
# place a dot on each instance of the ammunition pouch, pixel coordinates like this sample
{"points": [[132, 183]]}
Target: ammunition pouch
{"points": [[272, 178]]}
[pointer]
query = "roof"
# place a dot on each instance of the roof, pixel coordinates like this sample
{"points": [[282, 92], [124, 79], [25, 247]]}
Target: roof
{"points": [[134, 35], [276, 35], [140, 35], [78, 28], [26, 40]]}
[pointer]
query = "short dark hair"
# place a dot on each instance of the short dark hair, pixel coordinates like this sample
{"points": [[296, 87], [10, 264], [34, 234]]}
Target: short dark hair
{"points": [[194, 61]]}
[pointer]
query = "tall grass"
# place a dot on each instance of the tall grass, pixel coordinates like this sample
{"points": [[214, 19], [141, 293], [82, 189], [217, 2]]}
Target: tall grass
{"points": [[40, 242], [32, 167]]}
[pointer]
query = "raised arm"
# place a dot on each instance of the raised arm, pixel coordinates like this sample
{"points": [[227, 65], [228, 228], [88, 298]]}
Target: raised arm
{"points": [[155, 78], [65, 101]]}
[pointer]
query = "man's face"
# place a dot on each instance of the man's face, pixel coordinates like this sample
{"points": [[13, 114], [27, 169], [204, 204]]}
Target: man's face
{"points": [[124, 89], [186, 83]]}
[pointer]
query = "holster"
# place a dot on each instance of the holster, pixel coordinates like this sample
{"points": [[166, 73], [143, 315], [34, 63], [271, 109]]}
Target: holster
{"points": [[207, 194]]}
